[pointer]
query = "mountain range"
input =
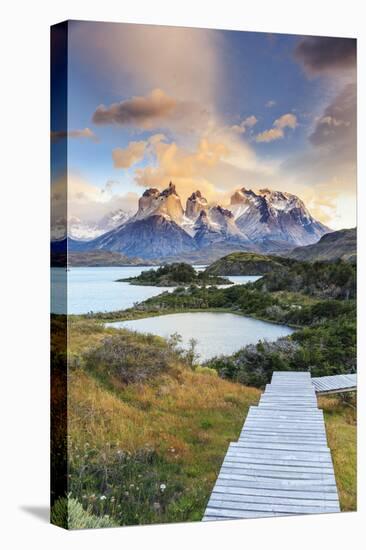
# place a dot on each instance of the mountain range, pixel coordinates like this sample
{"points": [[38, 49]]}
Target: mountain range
{"points": [[263, 221]]}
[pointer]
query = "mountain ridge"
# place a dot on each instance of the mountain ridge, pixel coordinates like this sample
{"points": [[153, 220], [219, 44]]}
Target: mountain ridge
{"points": [[338, 245], [266, 221]]}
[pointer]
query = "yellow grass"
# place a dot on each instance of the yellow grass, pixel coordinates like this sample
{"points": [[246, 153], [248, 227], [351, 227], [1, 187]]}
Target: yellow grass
{"points": [[340, 421]]}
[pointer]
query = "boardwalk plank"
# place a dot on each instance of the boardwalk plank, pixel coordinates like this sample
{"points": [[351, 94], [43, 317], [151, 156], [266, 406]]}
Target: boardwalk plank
{"points": [[281, 463]]}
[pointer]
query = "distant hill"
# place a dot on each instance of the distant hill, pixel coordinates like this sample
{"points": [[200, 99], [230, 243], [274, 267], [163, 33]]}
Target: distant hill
{"points": [[96, 258], [245, 263], [331, 247]]}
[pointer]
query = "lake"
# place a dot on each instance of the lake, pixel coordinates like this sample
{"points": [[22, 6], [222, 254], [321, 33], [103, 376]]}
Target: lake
{"points": [[216, 333], [95, 288]]}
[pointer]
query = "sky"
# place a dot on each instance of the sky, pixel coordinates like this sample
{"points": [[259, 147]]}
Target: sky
{"points": [[212, 110]]}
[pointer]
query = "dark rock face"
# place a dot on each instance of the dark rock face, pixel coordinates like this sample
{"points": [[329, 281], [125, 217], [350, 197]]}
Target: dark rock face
{"points": [[218, 225], [195, 204], [151, 237]]}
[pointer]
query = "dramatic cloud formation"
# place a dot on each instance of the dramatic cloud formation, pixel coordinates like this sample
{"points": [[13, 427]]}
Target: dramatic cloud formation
{"points": [[86, 133], [215, 165], [187, 169], [197, 86], [133, 153], [278, 130], [323, 54]]}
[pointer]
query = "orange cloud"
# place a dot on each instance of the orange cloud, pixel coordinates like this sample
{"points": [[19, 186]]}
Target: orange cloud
{"points": [[241, 128], [277, 131], [133, 153], [188, 170]]}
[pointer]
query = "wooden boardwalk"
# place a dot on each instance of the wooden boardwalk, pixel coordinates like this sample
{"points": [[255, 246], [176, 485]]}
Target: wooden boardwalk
{"points": [[281, 465], [335, 384]]}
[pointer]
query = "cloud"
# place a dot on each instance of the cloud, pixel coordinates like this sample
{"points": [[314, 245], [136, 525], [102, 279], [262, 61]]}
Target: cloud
{"points": [[184, 62], [133, 153], [110, 186], [270, 103], [188, 169], [86, 133], [335, 130], [216, 165], [325, 54], [155, 110], [241, 128], [277, 131], [84, 200], [143, 112], [328, 167]]}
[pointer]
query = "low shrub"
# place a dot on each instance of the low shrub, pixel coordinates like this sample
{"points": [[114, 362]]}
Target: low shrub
{"points": [[69, 514], [128, 359]]}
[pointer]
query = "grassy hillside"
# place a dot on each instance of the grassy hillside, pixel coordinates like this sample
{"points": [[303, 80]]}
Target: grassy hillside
{"points": [[245, 263], [148, 429], [147, 451], [339, 245], [98, 258]]}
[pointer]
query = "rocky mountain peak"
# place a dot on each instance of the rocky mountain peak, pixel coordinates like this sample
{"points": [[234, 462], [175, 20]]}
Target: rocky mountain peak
{"points": [[271, 215], [195, 203], [164, 203], [152, 192], [170, 190], [220, 211]]}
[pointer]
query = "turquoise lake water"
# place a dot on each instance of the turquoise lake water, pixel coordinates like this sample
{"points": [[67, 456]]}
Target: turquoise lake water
{"points": [[216, 333], [95, 288]]}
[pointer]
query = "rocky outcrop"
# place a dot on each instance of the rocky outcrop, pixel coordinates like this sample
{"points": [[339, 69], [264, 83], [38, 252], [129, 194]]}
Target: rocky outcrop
{"points": [[276, 217], [165, 203], [195, 204]]}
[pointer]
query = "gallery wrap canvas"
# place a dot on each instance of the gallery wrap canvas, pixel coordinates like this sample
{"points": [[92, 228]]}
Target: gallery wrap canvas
{"points": [[203, 270]]}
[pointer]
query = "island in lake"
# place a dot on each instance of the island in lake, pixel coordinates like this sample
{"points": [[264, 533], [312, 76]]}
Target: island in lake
{"points": [[176, 274]]}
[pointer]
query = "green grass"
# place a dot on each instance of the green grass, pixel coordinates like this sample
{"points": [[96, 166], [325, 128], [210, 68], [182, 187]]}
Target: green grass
{"points": [[340, 422], [147, 452]]}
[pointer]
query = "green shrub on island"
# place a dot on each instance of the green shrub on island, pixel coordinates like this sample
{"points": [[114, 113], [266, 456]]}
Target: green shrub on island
{"points": [[176, 274]]}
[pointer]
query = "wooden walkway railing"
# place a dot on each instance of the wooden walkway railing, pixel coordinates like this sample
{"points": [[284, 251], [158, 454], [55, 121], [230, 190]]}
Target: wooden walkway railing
{"points": [[281, 464]]}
